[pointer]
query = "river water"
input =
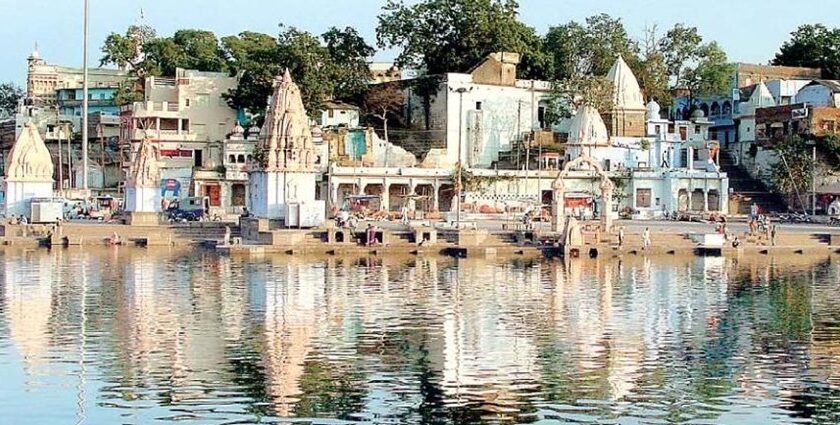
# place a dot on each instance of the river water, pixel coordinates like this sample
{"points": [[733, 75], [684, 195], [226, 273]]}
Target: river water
{"points": [[130, 336]]}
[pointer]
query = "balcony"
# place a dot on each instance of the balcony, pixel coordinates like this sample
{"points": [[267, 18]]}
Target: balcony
{"points": [[168, 135], [156, 109]]}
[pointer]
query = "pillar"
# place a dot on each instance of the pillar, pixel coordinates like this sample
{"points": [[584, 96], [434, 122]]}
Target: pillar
{"points": [[386, 196], [706, 200], [412, 190], [435, 197], [689, 158], [558, 210], [606, 211]]}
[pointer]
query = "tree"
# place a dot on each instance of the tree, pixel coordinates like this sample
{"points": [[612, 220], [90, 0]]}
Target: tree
{"points": [[570, 94], [591, 49], [712, 74], [254, 56], [440, 36], [349, 56], [383, 99], [127, 51], [813, 46], [652, 70], [681, 48], [793, 168], [10, 95]]}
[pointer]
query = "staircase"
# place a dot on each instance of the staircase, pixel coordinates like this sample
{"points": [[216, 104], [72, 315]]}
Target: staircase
{"points": [[749, 189]]}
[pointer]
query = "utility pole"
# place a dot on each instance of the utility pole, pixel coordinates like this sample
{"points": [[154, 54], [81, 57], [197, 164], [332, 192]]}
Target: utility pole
{"points": [[85, 102], [814, 178], [460, 165]]}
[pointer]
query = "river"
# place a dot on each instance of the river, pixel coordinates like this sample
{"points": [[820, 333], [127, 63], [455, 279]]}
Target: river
{"points": [[135, 336]]}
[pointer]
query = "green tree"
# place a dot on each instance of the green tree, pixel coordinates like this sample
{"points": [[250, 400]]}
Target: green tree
{"points": [[712, 74], [349, 56], [255, 57], [652, 71], [127, 51], [440, 36], [681, 48], [10, 95], [591, 49], [789, 175], [571, 93], [813, 46]]}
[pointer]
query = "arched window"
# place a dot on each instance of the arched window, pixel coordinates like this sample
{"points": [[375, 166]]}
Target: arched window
{"points": [[232, 159], [727, 108], [715, 109], [240, 159]]}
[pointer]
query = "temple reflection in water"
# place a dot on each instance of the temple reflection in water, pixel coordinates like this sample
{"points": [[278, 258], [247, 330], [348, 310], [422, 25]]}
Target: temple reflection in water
{"points": [[143, 335]]}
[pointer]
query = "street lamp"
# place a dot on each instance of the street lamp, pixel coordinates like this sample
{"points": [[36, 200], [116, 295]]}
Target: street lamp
{"points": [[460, 91], [813, 145], [85, 103]]}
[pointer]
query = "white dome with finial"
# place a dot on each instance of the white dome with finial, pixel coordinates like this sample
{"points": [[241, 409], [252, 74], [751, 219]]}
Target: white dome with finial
{"points": [[654, 111], [587, 128]]}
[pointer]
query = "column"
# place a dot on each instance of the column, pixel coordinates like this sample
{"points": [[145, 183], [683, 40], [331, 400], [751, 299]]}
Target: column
{"points": [[180, 125], [689, 158], [157, 127], [706, 200], [386, 196], [558, 210], [435, 195], [412, 190]]}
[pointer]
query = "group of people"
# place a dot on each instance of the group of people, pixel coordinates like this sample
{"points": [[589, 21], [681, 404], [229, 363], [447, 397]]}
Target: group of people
{"points": [[760, 225]]}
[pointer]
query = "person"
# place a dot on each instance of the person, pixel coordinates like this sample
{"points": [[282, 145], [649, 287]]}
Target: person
{"points": [[404, 214], [13, 220], [646, 239], [115, 239], [371, 234], [245, 212], [23, 219], [621, 237], [736, 242], [752, 226], [773, 235], [343, 218], [753, 211]]}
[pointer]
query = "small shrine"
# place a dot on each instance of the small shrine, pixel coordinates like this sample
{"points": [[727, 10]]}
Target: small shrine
{"points": [[29, 172], [282, 176], [142, 190]]}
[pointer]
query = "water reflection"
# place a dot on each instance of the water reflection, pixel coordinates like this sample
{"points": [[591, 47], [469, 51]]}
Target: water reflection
{"points": [[134, 336]]}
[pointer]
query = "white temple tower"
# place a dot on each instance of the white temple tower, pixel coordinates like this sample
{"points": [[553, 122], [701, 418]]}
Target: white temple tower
{"points": [[142, 190], [29, 172], [282, 177]]}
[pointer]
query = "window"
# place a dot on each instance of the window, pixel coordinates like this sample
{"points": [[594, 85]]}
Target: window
{"points": [[477, 106], [330, 113], [696, 129], [643, 198], [187, 102]]}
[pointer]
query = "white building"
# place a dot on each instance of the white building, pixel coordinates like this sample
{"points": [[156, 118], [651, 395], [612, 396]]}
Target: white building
{"points": [[486, 110], [339, 114], [188, 119]]}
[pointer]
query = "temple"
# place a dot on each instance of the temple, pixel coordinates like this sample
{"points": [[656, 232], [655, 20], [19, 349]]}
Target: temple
{"points": [[29, 172], [142, 192], [282, 176], [627, 119]]}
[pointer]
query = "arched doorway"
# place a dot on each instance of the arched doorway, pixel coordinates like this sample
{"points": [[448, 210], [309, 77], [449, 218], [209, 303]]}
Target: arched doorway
{"points": [[559, 202], [714, 200], [698, 201], [682, 200]]}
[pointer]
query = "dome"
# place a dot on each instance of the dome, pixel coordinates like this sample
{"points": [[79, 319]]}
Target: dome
{"points": [[628, 95], [254, 131], [35, 54], [587, 128], [653, 111], [316, 131], [238, 130], [698, 113]]}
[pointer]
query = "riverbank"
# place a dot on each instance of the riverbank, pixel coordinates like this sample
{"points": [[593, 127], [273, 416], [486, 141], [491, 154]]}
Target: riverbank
{"points": [[484, 242]]}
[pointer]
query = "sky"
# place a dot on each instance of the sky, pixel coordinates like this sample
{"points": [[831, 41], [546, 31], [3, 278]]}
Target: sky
{"points": [[748, 30]]}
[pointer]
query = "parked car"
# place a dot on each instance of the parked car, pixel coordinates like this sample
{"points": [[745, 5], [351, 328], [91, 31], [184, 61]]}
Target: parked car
{"points": [[191, 209]]}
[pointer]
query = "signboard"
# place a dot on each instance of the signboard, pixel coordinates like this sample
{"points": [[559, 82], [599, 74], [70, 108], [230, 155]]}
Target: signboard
{"points": [[170, 188], [799, 113]]}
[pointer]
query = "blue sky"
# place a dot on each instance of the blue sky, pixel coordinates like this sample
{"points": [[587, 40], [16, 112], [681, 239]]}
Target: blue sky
{"points": [[749, 30]]}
